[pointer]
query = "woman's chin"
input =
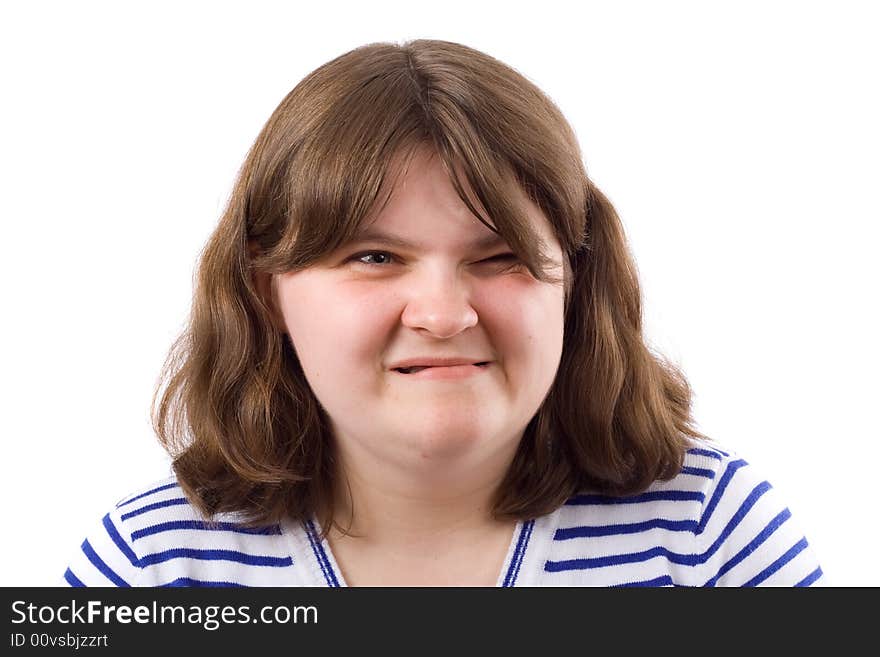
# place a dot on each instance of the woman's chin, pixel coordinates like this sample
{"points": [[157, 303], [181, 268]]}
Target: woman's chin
{"points": [[448, 441]]}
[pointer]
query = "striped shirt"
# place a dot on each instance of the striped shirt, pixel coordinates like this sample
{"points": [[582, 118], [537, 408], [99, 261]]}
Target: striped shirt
{"points": [[715, 524]]}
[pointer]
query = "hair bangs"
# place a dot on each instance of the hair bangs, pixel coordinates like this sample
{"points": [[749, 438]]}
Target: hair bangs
{"points": [[339, 160], [332, 179], [491, 190]]}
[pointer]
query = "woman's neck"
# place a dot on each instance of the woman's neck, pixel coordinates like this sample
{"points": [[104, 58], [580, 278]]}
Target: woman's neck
{"points": [[427, 537], [403, 511], [424, 518]]}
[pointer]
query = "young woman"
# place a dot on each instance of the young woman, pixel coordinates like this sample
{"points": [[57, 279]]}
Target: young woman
{"points": [[415, 357]]}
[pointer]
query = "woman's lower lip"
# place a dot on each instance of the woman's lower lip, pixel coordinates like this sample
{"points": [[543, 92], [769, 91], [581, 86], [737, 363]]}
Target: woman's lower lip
{"points": [[449, 372]]}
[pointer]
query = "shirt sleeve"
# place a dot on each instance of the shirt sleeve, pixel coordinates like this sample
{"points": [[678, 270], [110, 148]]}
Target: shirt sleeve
{"points": [[105, 558], [749, 536]]}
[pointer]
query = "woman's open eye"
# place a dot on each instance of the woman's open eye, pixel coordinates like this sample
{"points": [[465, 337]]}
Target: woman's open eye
{"points": [[384, 256]]}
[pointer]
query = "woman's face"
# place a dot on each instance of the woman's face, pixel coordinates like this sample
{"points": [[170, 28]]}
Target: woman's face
{"points": [[436, 293]]}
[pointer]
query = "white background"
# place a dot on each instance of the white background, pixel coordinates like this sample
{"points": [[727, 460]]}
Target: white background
{"points": [[739, 142]]}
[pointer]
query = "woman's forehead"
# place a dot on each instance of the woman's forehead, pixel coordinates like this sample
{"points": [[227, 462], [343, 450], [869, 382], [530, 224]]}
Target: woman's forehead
{"points": [[484, 239], [421, 199]]}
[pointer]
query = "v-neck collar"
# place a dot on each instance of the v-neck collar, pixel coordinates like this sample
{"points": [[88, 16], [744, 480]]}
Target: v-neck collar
{"points": [[325, 571]]}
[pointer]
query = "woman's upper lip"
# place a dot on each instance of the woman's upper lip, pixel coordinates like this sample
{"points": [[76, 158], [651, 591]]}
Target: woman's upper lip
{"points": [[428, 361]]}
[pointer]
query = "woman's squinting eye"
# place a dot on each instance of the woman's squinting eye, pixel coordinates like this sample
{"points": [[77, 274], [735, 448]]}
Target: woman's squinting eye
{"points": [[387, 257]]}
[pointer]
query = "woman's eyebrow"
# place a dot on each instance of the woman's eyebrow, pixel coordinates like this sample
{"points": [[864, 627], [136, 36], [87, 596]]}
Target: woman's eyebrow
{"points": [[374, 235]]}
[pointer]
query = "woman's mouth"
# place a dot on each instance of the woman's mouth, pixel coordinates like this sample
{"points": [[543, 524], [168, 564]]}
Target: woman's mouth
{"points": [[442, 372]]}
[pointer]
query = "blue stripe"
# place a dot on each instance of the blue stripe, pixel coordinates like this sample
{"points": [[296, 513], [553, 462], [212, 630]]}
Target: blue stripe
{"points": [[674, 557], [519, 552], [516, 557], [98, 563], [187, 581], [741, 513], [176, 501], [699, 472], [588, 563], [719, 492], [216, 555], [812, 577], [792, 552], [711, 453], [632, 528], [72, 579], [149, 492], [320, 555], [762, 536], [201, 525], [121, 544], [522, 554], [652, 496], [665, 580]]}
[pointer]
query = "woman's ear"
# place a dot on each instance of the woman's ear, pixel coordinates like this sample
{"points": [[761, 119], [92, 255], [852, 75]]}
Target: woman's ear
{"points": [[266, 290]]}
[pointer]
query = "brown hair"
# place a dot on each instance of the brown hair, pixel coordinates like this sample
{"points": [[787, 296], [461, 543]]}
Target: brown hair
{"points": [[237, 414]]}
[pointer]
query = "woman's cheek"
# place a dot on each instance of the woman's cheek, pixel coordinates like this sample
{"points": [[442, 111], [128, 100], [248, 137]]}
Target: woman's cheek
{"points": [[365, 323], [513, 298]]}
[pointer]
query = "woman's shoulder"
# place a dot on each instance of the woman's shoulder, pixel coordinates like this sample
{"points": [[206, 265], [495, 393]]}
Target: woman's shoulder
{"points": [[151, 490], [155, 536], [714, 482], [718, 521], [745, 523], [722, 477], [704, 464]]}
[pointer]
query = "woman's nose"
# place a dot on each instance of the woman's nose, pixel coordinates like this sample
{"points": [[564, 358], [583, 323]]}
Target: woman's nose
{"points": [[440, 305]]}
